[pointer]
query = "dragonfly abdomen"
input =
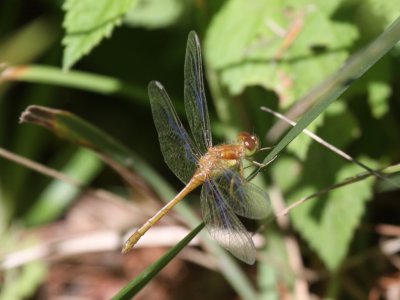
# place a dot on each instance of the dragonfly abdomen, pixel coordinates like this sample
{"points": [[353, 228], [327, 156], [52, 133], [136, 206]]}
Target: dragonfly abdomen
{"points": [[197, 179]]}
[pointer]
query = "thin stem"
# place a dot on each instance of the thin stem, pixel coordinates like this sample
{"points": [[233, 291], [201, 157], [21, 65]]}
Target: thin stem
{"points": [[388, 170], [39, 167], [328, 145]]}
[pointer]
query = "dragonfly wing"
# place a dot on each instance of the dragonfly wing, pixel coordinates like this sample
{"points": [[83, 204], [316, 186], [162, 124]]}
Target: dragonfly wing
{"points": [[224, 226], [179, 151], [245, 199], [195, 99]]}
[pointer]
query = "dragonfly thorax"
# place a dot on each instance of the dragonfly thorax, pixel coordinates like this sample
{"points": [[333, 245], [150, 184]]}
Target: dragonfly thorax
{"points": [[220, 157], [228, 156]]}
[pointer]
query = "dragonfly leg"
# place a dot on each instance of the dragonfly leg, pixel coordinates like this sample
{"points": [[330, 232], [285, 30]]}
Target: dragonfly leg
{"points": [[241, 169], [260, 165], [232, 182], [266, 148]]}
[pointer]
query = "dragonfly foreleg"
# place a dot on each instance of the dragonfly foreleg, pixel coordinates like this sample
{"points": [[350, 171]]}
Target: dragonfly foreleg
{"points": [[265, 148], [261, 165]]}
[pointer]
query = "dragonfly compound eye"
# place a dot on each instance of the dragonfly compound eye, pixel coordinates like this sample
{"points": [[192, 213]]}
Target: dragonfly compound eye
{"points": [[250, 142]]}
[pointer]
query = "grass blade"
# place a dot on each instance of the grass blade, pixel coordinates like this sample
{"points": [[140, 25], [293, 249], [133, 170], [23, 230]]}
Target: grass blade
{"points": [[80, 132], [76, 79], [141, 280]]}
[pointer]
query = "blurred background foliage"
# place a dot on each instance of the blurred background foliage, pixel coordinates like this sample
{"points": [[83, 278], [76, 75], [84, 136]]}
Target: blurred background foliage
{"points": [[95, 58]]}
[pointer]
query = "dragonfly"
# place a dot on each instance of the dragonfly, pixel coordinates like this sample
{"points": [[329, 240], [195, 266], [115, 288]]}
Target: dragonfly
{"points": [[225, 193]]}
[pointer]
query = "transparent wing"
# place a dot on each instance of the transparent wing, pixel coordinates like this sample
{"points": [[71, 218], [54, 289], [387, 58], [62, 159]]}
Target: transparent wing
{"points": [[179, 151], [245, 199], [195, 99], [223, 225]]}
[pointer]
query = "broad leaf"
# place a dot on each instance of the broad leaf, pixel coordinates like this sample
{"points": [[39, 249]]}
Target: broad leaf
{"points": [[328, 222], [374, 16], [87, 22], [155, 14], [248, 57]]}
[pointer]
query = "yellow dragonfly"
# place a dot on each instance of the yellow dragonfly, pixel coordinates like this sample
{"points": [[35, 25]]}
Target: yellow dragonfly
{"points": [[225, 192]]}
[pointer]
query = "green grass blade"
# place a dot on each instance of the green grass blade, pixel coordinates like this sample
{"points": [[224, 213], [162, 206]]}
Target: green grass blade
{"points": [[18, 47], [76, 130], [141, 280], [75, 79]]}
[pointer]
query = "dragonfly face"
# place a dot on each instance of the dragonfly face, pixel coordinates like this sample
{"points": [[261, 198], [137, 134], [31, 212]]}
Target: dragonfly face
{"points": [[250, 142], [193, 158]]}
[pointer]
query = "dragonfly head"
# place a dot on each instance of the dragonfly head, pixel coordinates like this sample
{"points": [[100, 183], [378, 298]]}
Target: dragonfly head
{"points": [[250, 142]]}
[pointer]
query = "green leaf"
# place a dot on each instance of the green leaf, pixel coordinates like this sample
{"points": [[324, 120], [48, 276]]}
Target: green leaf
{"points": [[87, 22], [321, 96], [248, 57], [328, 222], [377, 15], [155, 14]]}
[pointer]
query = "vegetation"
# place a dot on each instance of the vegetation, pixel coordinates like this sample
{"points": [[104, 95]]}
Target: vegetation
{"points": [[80, 69]]}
